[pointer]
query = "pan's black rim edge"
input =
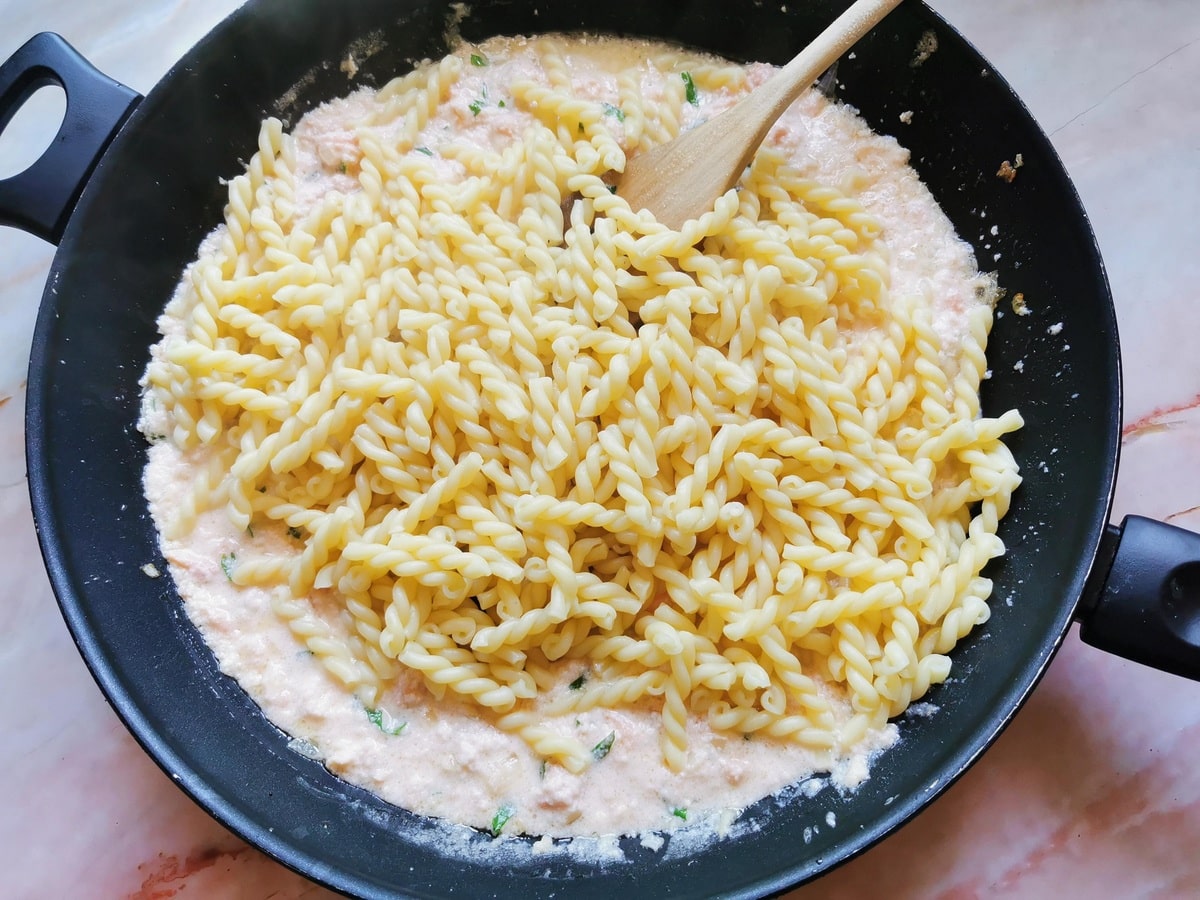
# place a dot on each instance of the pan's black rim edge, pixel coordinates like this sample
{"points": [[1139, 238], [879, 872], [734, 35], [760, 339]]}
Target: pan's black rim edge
{"points": [[64, 587], [100, 665], [111, 686], [67, 592], [902, 813]]}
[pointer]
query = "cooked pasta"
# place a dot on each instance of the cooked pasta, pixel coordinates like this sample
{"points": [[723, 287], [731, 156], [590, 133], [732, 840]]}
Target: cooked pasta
{"points": [[520, 430]]}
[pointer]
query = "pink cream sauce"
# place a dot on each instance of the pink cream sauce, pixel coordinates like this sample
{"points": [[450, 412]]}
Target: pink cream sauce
{"points": [[447, 761]]}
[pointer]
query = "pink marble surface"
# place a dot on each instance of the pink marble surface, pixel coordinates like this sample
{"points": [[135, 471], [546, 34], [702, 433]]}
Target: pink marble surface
{"points": [[1094, 791]]}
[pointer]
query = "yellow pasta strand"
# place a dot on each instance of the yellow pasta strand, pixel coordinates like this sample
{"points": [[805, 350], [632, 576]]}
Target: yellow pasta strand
{"points": [[516, 426]]}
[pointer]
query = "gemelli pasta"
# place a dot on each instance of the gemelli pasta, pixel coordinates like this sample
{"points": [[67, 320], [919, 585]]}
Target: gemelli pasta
{"points": [[489, 432]]}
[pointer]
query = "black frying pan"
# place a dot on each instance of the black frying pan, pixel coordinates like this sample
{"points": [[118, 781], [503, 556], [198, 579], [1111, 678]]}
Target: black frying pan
{"points": [[149, 198]]}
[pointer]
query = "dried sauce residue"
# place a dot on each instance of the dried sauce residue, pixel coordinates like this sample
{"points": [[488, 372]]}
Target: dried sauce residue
{"points": [[1008, 170], [926, 47]]}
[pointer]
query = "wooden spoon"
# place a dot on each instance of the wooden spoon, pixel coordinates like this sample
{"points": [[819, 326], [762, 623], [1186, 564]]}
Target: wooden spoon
{"points": [[683, 178]]}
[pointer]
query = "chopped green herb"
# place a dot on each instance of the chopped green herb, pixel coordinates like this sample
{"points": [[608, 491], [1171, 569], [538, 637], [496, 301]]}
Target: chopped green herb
{"points": [[612, 188], [680, 813], [542, 770], [227, 561], [156, 438], [262, 488], [690, 88], [476, 106], [601, 749], [578, 682], [615, 111], [500, 819], [501, 104], [342, 168], [377, 716], [581, 128], [478, 60], [424, 150], [250, 529], [294, 532]]}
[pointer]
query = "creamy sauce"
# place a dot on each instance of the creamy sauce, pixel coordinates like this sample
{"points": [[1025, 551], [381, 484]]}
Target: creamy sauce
{"points": [[445, 760]]}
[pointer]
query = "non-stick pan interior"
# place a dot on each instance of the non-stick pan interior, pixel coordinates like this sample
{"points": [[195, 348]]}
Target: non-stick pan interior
{"points": [[157, 193]]}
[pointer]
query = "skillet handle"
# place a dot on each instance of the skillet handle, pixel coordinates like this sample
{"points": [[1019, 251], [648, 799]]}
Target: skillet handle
{"points": [[41, 199], [1142, 600]]}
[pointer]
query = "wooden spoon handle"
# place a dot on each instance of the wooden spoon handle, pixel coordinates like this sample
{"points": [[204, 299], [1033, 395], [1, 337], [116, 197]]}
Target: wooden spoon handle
{"points": [[769, 101], [683, 178]]}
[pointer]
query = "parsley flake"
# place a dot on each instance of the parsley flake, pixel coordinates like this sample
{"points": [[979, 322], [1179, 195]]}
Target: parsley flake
{"points": [[377, 716], [679, 812], [478, 59], [476, 106], [601, 749], [690, 88], [615, 111], [424, 150], [227, 562], [294, 532], [578, 682], [500, 819]]}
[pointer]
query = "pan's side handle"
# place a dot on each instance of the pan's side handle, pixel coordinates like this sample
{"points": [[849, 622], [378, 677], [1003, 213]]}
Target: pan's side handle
{"points": [[40, 199], [1142, 600]]}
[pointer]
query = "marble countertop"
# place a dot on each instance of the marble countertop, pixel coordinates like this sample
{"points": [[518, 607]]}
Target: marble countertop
{"points": [[1094, 790]]}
